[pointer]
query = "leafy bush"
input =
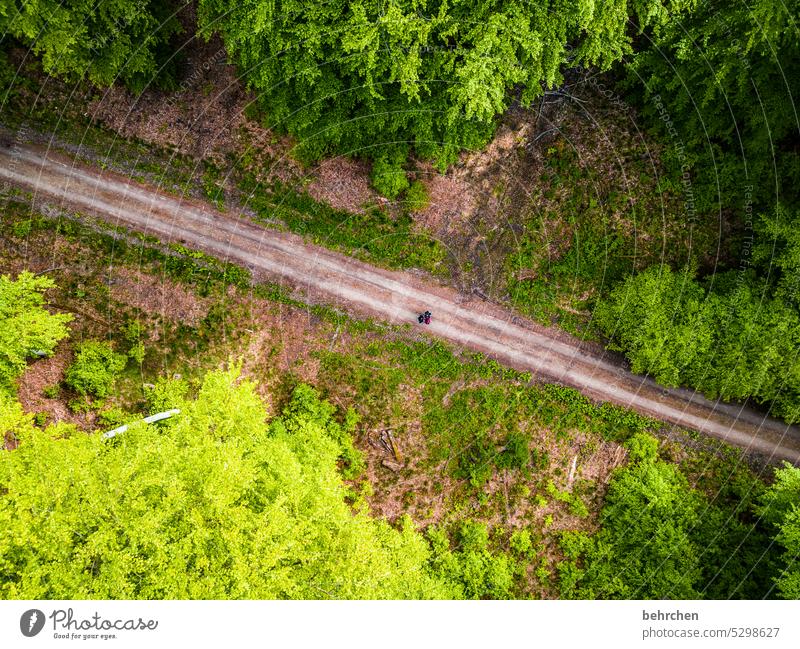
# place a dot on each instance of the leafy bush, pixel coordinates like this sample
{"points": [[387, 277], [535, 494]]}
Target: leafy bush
{"points": [[132, 333], [520, 542], [515, 453], [51, 392], [25, 325], [417, 198], [661, 320], [642, 448], [113, 417], [388, 177], [473, 569], [576, 505], [94, 369], [166, 394], [476, 462]]}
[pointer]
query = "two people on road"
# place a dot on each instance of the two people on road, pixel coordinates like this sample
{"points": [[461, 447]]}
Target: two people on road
{"points": [[424, 317]]}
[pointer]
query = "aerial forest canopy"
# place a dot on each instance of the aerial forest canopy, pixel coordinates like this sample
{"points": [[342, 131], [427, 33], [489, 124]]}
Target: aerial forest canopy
{"points": [[721, 81], [376, 78], [106, 42], [219, 504]]}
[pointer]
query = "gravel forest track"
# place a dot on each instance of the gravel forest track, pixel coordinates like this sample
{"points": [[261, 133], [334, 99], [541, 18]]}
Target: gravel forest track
{"points": [[396, 297]]}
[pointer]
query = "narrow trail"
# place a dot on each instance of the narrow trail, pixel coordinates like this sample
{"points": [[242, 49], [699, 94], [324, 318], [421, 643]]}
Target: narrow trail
{"points": [[395, 297]]}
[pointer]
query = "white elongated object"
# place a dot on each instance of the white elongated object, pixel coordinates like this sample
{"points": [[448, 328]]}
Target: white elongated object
{"points": [[148, 420]]}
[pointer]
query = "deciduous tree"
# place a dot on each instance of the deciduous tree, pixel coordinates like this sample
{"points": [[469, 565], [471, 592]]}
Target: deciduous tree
{"points": [[109, 41], [375, 78], [217, 503], [26, 326]]}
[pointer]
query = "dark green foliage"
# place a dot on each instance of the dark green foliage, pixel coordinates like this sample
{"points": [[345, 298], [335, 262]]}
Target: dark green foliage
{"points": [[416, 198], [780, 507], [661, 539], [105, 42], [661, 320], [94, 369], [720, 80], [515, 453], [375, 77], [588, 226], [7, 77], [732, 342], [776, 252]]}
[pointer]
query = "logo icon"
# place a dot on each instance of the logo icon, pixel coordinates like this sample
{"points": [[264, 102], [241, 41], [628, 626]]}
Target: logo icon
{"points": [[31, 622]]}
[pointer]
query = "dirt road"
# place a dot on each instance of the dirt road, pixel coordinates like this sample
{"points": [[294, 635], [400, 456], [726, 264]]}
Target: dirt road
{"points": [[390, 296]]}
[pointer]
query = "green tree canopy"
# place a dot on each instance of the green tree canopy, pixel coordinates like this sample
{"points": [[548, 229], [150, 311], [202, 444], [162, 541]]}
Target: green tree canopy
{"points": [[25, 325], [734, 342], [107, 41], [726, 77], [645, 549], [375, 77], [777, 251], [661, 320], [472, 569], [662, 539], [780, 507], [218, 504]]}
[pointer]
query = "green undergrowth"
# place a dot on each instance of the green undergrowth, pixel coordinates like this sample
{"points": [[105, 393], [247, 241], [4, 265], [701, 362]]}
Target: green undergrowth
{"points": [[472, 409], [373, 235], [585, 232]]}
